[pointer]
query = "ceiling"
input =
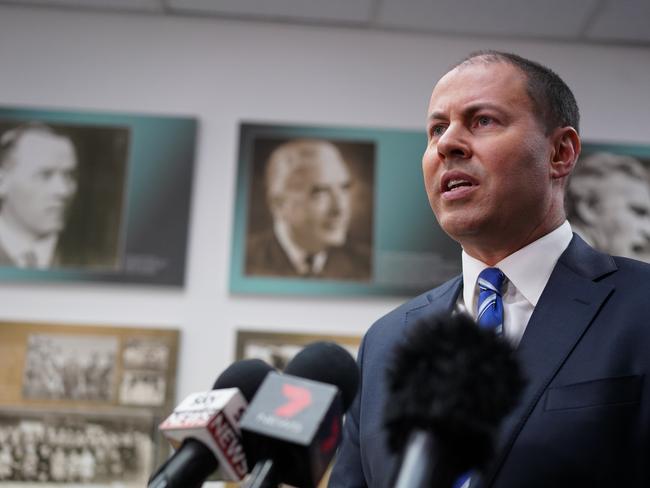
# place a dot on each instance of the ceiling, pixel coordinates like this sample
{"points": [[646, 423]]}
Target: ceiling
{"points": [[591, 21]]}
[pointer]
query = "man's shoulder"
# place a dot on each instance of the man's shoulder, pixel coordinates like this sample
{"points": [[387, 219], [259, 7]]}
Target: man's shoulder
{"points": [[630, 278], [5, 259], [262, 241], [394, 321], [629, 265], [587, 260], [265, 256]]}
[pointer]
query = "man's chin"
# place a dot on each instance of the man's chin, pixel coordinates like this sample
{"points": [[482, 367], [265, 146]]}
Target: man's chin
{"points": [[46, 232], [335, 240], [459, 228]]}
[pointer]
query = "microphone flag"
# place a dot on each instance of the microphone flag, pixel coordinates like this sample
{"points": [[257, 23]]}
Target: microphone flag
{"points": [[296, 422], [212, 417]]}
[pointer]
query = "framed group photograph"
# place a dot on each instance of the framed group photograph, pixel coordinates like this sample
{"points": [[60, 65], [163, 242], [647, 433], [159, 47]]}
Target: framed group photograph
{"points": [[40, 448], [335, 211], [94, 196], [81, 405], [278, 348]]}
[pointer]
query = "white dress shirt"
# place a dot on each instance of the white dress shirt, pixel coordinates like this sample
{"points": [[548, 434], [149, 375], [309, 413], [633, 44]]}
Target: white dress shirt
{"points": [[527, 271]]}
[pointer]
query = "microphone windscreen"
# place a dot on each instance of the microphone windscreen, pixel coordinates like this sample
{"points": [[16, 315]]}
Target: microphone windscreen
{"points": [[455, 380], [328, 363], [246, 374]]}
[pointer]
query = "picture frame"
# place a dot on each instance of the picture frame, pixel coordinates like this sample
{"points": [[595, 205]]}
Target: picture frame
{"points": [[125, 212], [85, 378]]}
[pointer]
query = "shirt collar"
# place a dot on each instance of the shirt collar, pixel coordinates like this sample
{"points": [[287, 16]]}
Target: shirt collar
{"points": [[528, 269], [296, 254]]}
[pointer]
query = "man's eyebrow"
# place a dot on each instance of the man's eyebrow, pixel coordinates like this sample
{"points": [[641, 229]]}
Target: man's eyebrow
{"points": [[435, 116], [468, 110]]}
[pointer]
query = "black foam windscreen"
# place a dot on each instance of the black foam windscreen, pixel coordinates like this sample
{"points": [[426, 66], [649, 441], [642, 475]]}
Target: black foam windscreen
{"points": [[455, 380], [246, 374], [328, 363]]}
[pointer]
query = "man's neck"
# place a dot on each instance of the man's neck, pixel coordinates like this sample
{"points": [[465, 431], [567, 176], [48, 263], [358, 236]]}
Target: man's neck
{"points": [[16, 241], [296, 254], [15, 232], [492, 251]]}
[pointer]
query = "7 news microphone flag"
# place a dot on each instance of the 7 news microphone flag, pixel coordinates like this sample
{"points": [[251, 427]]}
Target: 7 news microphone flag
{"points": [[293, 426]]}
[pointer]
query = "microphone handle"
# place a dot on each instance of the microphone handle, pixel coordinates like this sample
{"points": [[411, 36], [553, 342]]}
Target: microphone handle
{"points": [[421, 465], [189, 467], [262, 476]]}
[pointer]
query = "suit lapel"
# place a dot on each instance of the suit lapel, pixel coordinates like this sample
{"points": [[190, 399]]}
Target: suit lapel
{"points": [[440, 300], [570, 302]]}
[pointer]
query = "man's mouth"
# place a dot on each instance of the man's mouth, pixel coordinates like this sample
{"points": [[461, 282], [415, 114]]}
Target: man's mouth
{"points": [[453, 184], [641, 248], [456, 182]]}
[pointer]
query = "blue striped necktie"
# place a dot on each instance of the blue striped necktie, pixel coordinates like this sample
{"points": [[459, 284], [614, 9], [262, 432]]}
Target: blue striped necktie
{"points": [[489, 316], [490, 304]]}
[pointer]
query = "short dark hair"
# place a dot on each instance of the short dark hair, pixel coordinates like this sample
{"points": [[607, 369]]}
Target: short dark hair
{"points": [[552, 98]]}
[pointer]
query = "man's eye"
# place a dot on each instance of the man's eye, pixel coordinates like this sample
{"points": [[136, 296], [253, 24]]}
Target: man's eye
{"points": [[640, 211], [437, 130], [484, 121]]}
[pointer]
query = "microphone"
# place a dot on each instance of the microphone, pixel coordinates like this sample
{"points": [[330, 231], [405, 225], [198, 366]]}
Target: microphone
{"points": [[204, 429], [450, 386], [293, 426]]}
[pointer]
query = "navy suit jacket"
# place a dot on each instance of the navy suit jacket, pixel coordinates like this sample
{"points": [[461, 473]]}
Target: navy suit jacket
{"points": [[584, 418]]}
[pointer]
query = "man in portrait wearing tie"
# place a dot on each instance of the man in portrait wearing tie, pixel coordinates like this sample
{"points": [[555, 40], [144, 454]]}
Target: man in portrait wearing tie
{"points": [[502, 143], [309, 196], [37, 182]]}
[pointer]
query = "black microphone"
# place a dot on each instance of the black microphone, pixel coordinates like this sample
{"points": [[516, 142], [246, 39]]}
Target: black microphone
{"points": [[293, 426], [450, 385], [204, 429]]}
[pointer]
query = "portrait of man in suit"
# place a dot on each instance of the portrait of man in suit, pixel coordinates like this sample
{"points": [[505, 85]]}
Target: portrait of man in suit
{"points": [[62, 193], [608, 204], [502, 143], [309, 195], [37, 183]]}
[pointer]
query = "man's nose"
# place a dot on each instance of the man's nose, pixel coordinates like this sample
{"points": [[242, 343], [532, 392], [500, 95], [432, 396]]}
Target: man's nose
{"points": [[338, 201], [63, 185], [453, 144]]}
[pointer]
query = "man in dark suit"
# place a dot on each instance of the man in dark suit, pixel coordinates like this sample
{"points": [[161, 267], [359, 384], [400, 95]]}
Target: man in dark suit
{"points": [[502, 142], [308, 187], [37, 182]]}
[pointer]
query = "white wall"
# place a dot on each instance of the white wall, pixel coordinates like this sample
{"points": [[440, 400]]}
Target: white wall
{"points": [[225, 71]]}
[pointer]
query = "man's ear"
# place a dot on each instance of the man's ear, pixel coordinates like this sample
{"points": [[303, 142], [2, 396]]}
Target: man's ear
{"points": [[275, 204], [588, 208], [566, 149]]}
